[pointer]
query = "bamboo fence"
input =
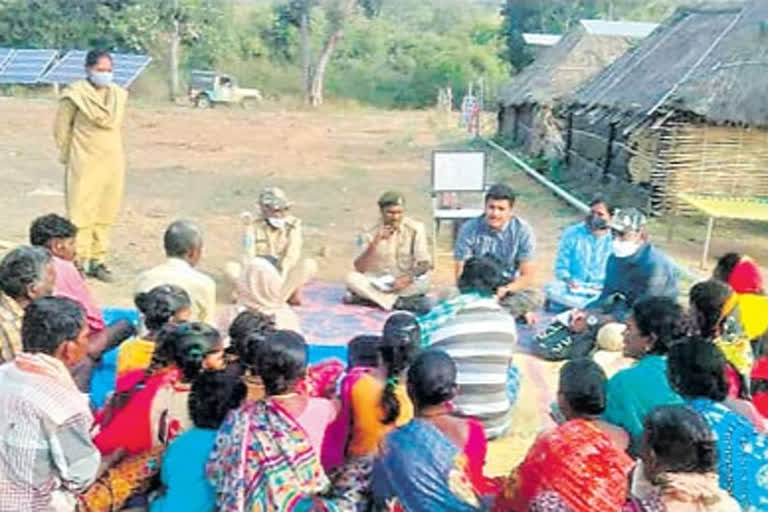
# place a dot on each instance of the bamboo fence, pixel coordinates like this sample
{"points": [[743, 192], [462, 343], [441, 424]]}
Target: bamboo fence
{"points": [[721, 161]]}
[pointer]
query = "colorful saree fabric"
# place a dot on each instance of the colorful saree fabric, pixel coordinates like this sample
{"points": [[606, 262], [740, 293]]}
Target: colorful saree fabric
{"points": [[131, 476], [754, 314], [742, 454], [759, 379], [733, 342], [337, 435], [418, 468], [264, 461], [577, 461], [155, 414], [747, 280], [548, 502]]}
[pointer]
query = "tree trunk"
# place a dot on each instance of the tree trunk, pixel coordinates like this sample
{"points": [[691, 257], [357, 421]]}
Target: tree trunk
{"points": [[306, 51], [318, 73], [318, 78], [173, 55]]}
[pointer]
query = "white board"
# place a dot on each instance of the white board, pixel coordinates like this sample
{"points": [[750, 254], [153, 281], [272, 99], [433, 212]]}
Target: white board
{"points": [[458, 171]]}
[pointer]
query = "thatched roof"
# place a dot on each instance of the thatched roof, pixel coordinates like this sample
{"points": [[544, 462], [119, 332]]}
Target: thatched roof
{"points": [[711, 62], [581, 53]]}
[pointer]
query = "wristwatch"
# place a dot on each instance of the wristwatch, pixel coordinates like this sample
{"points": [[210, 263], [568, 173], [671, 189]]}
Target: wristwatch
{"points": [[592, 320]]}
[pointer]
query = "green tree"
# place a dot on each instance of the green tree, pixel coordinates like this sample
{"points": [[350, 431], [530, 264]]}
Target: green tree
{"points": [[336, 14]]}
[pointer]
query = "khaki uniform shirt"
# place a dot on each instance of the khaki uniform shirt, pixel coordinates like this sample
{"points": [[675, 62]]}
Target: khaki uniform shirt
{"points": [[283, 244], [402, 252]]}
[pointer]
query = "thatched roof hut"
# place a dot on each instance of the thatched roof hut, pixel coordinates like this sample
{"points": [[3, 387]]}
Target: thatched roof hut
{"points": [[686, 111], [525, 103]]}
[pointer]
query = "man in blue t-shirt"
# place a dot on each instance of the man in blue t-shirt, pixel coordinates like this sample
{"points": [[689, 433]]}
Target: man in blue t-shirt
{"points": [[501, 234]]}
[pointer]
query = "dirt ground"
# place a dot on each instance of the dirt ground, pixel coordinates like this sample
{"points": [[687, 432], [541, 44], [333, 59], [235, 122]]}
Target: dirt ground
{"points": [[210, 165]]}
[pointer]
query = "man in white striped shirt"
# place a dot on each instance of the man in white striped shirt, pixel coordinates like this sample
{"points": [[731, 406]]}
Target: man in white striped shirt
{"points": [[481, 336]]}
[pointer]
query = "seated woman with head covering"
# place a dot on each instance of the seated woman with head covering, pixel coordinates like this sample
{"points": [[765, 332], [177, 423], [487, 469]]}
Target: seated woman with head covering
{"points": [[160, 306], [154, 410], [696, 371], [744, 276], [679, 457], [583, 461], [434, 462], [258, 287], [267, 452]]}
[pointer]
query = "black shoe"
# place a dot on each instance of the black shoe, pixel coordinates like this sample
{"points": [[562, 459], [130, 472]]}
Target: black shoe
{"points": [[101, 272], [416, 304]]}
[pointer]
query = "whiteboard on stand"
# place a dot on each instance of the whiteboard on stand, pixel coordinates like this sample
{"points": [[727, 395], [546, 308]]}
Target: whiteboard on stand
{"points": [[458, 171]]}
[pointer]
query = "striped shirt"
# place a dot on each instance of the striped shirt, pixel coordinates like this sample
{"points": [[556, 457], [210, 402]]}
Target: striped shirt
{"points": [[481, 338], [46, 452]]}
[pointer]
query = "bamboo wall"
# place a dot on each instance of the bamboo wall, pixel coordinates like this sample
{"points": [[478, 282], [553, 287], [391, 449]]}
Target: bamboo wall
{"points": [[706, 159], [658, 162]]}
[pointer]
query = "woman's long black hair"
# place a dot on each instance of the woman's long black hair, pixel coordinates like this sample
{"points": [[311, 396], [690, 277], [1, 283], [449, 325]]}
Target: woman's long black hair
{"points": [[400, 341], [185, 345]]}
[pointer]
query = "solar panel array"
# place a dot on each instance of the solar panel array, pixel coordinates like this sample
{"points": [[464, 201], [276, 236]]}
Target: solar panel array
{"points": [[5, 56], [32, 66], [26, 66], [126, 67]]}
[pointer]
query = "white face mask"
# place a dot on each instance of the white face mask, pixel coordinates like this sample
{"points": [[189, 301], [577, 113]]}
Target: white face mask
{"points": [[101, 78], [625, 248], [276, 222]]}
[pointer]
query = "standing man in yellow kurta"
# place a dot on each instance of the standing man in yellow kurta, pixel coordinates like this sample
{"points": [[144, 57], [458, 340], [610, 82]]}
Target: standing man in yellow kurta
{"points": [[88, 134]]}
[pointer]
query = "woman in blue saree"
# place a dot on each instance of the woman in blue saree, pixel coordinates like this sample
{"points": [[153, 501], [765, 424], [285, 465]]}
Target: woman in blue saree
{"points": [[432, 462], [696, 371]]}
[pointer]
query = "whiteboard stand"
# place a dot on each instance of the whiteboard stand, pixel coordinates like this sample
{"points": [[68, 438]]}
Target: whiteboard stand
{"points": [[456, 172]]}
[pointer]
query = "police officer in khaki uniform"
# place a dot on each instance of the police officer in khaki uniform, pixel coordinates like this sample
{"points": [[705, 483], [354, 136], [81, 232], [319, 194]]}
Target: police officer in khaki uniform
{"points": [[277, 234], [392, 270]]}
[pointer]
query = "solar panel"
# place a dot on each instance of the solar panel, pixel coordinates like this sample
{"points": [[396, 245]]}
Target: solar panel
{"points": [[126, 66], [26, 66], [5, 56]]}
